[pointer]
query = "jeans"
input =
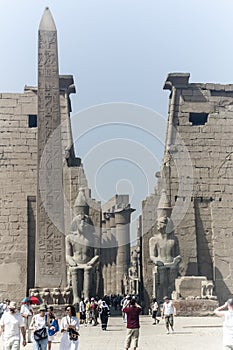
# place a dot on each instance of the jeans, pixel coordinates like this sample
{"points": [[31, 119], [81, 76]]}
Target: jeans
{"points": [[40, 344]]}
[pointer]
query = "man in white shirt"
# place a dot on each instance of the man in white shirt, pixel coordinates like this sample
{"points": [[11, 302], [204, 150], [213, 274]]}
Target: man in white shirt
{"points": [[26, 312], [168, 312], [11, 324]]}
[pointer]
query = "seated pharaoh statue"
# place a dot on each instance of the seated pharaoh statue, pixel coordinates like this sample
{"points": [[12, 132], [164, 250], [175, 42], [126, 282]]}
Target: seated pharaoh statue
{"points": [[164, 252], [81, 251]]}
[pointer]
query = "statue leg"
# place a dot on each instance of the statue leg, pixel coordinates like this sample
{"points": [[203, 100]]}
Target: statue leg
{"points": [[76, 284], [87, 283], [172, 276], [163, 282]]}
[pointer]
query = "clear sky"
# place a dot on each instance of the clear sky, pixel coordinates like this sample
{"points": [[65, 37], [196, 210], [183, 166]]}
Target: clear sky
{"points": [[120, 52]]}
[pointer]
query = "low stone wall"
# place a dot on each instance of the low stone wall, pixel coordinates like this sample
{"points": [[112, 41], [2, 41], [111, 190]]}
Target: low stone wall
{"points": [[200, 307]]}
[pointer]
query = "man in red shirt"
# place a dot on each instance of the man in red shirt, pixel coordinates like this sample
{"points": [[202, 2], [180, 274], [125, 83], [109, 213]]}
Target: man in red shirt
{"points": [[132, 309]]}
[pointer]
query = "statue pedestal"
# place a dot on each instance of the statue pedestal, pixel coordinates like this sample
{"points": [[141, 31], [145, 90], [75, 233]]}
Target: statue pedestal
{"points": [[199, 307]]}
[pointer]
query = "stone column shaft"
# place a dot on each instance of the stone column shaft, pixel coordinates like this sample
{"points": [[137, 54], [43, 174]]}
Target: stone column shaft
{"points": [[108, 255], [122, 221], [113, 253]]}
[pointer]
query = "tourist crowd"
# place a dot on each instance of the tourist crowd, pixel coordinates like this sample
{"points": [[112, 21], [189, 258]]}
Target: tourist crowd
{"points": [[40, 327]]}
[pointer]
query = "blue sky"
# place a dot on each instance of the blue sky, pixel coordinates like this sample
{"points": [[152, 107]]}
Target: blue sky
{"points": [[120, 52]]}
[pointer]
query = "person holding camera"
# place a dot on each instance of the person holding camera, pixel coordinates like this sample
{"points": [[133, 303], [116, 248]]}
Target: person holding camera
{"points": [[226, 312], [132, 310]]}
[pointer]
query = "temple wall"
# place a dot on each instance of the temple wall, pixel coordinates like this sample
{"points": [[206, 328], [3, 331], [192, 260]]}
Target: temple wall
{"points": [[18, 158], [202, 116], [18, 175]]}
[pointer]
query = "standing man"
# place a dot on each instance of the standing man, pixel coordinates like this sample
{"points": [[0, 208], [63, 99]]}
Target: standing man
{"points": [[132, 310], [226, 311], [168, 312], [11, 324], [26, 312]]}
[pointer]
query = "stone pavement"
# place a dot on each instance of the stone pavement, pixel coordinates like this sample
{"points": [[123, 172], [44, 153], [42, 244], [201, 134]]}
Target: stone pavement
{"points": [[191, 333]]}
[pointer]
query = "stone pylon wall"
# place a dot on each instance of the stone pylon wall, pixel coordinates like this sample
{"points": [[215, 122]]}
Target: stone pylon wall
{"points": [[18, 158], [18, 174], [205, 226]]}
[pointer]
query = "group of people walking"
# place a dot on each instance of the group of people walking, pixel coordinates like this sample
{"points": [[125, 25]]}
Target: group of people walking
{"points": [[91, 310], [40, 328]]}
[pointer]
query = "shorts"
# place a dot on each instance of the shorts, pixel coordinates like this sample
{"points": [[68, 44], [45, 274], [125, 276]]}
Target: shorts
{"points": [[132, 338], [169, 320], [83, 315], [50, 337]]}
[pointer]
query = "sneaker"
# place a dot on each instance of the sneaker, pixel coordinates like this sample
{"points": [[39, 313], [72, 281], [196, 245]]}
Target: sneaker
{"points": [[168, 332], [173, 331], [154, 323], [158, 321]]}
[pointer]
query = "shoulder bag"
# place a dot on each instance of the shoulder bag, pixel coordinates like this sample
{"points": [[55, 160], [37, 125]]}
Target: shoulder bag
{"points": [[73, 334], [41, 333]]}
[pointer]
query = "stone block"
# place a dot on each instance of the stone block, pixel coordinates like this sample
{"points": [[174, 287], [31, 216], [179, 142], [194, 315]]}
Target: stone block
{"points": [[197, 107], [202, 307], [7, 102], [189, 286]]}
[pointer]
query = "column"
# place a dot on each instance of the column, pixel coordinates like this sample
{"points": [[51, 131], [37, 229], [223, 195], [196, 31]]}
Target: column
{"points": [[113, 250], [122, 221]]}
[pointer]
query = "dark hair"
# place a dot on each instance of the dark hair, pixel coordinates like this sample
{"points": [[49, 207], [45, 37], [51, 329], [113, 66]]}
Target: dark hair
{"points": [[230, 302], [133, 301], [51, 308], [72, 308]]}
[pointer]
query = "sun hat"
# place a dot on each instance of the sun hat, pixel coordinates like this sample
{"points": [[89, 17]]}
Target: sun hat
{"points": [[43, 307]]}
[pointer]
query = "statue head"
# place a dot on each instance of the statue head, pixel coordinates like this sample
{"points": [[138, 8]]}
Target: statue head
{"points": [[84, 224], [162, 224]]}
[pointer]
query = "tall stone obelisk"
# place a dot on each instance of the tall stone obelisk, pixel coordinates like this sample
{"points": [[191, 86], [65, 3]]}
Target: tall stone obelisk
{"points": [[50, 240]]}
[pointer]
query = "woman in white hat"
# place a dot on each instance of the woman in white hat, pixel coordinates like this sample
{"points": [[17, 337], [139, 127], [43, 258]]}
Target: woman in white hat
{"points": [[39, 326]]}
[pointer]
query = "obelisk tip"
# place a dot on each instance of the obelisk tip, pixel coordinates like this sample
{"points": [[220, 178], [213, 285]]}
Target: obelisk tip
{"points": [[47, 21]]}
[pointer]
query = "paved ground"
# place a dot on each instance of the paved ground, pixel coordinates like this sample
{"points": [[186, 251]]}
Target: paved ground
{"points": [[191, 333]]}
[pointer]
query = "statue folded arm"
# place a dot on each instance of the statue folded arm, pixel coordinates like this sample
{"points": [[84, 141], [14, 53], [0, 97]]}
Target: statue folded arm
{"points": [[154, 252], [69, 253], [93, 261]]}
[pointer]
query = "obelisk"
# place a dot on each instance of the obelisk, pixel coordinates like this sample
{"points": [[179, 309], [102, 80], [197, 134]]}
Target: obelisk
{"points": [[50, 240]]}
